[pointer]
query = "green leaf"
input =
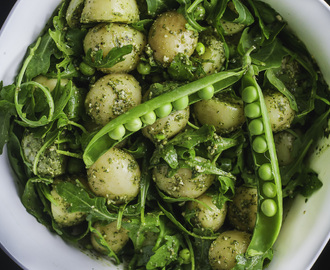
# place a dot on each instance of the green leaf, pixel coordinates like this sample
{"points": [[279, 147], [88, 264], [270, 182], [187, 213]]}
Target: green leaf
{"points": [[115, 55], [40, 61], [165, 254], [279, 85], [7, 111], [156, 7], [81, 201]]}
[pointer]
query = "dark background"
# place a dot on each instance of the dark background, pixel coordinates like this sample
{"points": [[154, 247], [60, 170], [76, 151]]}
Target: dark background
{"points": [[7, 263]]}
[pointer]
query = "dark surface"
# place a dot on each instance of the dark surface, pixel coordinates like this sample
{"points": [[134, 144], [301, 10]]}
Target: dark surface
{"points": [[7, 263]]}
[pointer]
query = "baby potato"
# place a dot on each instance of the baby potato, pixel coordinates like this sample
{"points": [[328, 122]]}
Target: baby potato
{"points": [[210, 217], [50, 83], [214, 55], [115, 35], [116, 239], [60, 212], [229, 244], [110, 11], [182, 184], [115, 176], [112, 95], [169, 36], [167, 127], [284, 147], [242, 210], [279, 110], [223, 112]]}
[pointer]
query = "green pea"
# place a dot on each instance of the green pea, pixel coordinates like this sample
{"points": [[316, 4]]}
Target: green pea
{"points": [[269, 189], [86, 69], [164, 110], [259, 144], [252, 110], [185, 256], [149, 118], [206, 92], [265, 172], [117, 133], [269, 207], [256, 127], [143, 68], [250, 94], [134, 124], [200, 48], [181, 103]]}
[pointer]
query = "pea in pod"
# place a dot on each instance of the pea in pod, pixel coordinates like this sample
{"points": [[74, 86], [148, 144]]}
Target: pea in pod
{"points": [[108, 136], [270, 209]]}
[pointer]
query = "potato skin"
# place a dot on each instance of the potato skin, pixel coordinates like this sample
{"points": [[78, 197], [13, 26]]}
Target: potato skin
{"points": [[279, 111], [50, 83], [110, 11], [214, 55], [169, 36], [115, 35], [115, 176], [116, 239], [61, 214], [226, 247], [167, 127], [284, 147], [242, 211], [212, 218], [181, 184], [226, 114], [111, 96]]}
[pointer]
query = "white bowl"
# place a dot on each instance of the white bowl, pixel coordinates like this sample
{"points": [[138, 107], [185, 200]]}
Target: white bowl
{"points": [[306, 228]]}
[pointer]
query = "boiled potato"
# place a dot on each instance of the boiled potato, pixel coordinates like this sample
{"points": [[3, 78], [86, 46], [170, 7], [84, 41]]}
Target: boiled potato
{"points": [[116, 239], [115, 176], [169, 36], [125, 11], [231, 28], [107, 36], [182, 184], [214, 55], [242, 210], [61, 214], [50, 83], [167, 127], [50, 163], [280, 113], [229, 244], [284, 147], [223, 112], [210, 217], [112, 95]]}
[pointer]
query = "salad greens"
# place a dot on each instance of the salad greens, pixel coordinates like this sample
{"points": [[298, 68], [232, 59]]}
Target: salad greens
{"points": [[52, 141]]}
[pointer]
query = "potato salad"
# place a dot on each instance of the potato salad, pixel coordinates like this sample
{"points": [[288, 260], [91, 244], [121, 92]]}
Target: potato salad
{"points": [[165, 134]]}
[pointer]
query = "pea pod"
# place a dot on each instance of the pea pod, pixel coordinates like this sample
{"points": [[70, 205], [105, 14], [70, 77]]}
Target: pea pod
{"points": [[269, 216], [107, 136]]}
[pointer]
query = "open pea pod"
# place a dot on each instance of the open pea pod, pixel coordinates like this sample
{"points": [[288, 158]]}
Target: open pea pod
{"points": [[270, 208], [139, 116]]}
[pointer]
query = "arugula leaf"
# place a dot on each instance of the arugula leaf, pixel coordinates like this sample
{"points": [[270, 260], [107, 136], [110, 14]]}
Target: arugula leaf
{"points": [[59, 34], [165, 254], [7, 111], [156, 7], [244, 15], [115, 55], [81, 201], [40, 61], [279, 85], [33, 203]]}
